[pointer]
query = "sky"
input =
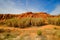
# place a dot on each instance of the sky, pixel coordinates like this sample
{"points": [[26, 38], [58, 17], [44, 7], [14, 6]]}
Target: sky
{"points": [[21, 6]]}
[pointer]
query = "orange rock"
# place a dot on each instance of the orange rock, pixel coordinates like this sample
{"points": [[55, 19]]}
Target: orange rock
{"points": [[27, 14]]}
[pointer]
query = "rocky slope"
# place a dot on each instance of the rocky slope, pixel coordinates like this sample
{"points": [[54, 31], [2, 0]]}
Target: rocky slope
{"points": [[36, 15], [27, 14]]}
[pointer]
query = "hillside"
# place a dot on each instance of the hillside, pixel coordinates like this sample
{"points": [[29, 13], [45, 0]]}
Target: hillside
{"points": [[27, 14], [36, 15], [29, 26]]}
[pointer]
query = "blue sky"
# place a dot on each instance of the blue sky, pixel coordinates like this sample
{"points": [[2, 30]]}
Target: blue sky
{"points": [[20, 6]]}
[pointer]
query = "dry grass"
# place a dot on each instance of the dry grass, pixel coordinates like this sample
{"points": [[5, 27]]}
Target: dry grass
{"points": [[31, 30], [54, 21], [48, 32], [23, 22]]}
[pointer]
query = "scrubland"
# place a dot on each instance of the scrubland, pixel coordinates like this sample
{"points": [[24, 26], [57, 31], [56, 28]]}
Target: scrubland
{"points": [[30, 29], [28, 22]]}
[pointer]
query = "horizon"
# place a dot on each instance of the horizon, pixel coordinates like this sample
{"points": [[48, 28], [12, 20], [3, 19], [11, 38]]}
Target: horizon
{"points": [[22, 6]]}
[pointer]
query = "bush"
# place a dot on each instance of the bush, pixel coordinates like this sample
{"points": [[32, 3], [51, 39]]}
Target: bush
{"points": [[39, 32], [24, 22], [11, 22], [54, 21]]}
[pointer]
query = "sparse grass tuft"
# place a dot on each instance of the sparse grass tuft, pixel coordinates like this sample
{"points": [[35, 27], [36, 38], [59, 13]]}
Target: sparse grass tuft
{"points": [[39, 32]]}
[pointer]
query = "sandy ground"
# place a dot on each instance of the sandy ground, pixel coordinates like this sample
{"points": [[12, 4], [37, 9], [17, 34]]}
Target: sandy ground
{"points": [[31, 28], [31, 31]]}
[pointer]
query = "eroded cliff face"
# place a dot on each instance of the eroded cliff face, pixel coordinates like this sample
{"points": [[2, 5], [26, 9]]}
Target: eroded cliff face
{"points": [[7, 16], [27, 14], [36, 15]]}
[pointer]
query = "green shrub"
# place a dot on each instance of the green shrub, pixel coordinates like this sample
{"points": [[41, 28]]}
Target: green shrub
{"points": [[39, 32]]}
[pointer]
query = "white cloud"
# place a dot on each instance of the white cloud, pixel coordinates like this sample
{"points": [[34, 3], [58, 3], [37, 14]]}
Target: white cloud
{"points": [[8, 6], [56, 11], [11, 10]]}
